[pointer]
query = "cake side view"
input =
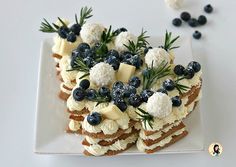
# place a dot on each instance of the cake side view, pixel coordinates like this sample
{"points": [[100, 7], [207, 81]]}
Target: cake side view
{"points": [[120, 92]]}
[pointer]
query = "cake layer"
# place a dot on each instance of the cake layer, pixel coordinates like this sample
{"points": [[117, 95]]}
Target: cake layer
{"points": [[63, 95]]}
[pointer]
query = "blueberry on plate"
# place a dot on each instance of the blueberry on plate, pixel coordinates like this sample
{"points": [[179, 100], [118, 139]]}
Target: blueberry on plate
{"points": [[176, 101], [135, 100], [79, 94], [145, 94], [162, 90], [176, 22], [71, 37], [82, 47], [129, 90], [118, 84], [197, 34], [134, 81], [208, 8], [179, 70], [84, 84], [75, 28], [168, 85], [121, 104], [195, 66], [202, 20], [193, 22], [147, 49], [63, 32], [185, 16], [104, 91], [94, 118], [91, 94], [189, 73]]}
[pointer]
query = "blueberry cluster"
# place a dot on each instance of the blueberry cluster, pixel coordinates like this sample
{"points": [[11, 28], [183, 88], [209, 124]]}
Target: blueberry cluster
{"points": [[193, 22], [192, 68], [69, 33]]}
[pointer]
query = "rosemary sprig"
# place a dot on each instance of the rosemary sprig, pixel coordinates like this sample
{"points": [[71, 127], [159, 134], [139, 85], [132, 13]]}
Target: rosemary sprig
{"points": [[151, 75], [85, 13], [169, 42], [47, 27], [136, 48], [100, 99], [180, 87], [146, 118], [79, 65]]}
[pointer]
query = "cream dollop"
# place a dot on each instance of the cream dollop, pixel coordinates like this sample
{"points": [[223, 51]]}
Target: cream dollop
{"points": [[175, 4], [74, 125], [123, 39], [156, 56], [91, 33], [159, 105], [73, 105], [102, 74]]}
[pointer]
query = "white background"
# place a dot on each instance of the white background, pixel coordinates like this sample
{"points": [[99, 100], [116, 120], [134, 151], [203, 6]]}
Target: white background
{"points": [[19, 52]]}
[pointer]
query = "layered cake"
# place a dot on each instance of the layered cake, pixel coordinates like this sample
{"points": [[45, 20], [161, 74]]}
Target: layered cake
{"points": [[120, 91]]}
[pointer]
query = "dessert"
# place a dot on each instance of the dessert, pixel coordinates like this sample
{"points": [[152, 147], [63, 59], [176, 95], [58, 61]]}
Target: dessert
{"points": [[120, 91]]}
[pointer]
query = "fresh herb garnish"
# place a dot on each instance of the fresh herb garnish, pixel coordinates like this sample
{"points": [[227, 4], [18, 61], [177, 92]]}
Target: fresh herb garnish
{"points": [[100, 99], [169, 42], [136, 48], [85, 13], [151, 75], [180, 87], [145, 117], [47, 27], [80, 66]]}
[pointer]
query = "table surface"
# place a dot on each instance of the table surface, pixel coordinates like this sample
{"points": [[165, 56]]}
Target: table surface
{"points": [[19, 53]]}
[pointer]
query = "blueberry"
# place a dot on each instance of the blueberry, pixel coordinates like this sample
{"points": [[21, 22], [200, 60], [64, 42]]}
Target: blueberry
{"points": [[129, 90], [89, 53], [82, 47], [115, 65], [78, 94], [120, 103], [185, 16], [84, 84], [176, 101], [75, 28], [118, 84], [63, 32], [176, 22], [94, 118], [135, 81], [114, 53], [145, 94], [162, 90], [117, 93], [146, 72], [202, 20], [197, 35], [179, 70], [168, 85], [71, 37], [73, 62], [91, 94], [208, 8], [135, 100], [119, 30], [76, 53], [195, 66], [193, 22], [147, 49], [113, 61], [189, 73], [104, 91], [89, 62], [136, 61]]}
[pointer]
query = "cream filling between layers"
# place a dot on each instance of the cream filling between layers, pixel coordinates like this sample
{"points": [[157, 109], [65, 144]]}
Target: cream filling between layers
{"points": [[191, 106], [142, 146], [74, 125], [64, 89], [98, 150], [157, 134]]}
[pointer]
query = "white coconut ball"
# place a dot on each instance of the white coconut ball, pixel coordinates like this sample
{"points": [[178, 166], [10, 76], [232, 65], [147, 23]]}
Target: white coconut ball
{"points": [[156, 56], [175, 4], [102, 74], [159, 105], [91, 33], [123, 38]]}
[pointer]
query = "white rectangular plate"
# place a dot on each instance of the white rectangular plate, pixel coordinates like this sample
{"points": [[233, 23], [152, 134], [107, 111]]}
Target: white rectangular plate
{"points": [[51, 118]]}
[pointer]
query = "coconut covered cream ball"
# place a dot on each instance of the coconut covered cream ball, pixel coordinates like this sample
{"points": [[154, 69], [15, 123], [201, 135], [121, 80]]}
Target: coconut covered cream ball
{"points": [[102, 74], [175, 4], [91, 33], [124, 38], [156, 56], [159, 105]]}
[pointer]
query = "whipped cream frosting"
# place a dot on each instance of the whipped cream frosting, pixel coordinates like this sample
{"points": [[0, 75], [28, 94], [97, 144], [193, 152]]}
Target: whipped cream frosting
{"points": [[142, 146], [73, 105], [98, 150]]}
